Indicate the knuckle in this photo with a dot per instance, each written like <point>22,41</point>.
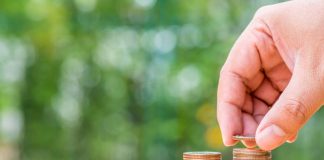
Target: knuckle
<point>267,13</point>
<point>296,110</point>
<point>262,11</point>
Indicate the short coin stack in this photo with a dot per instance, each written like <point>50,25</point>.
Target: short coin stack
<point>249,153</point>
<point>238,153</point>
<point>202,156</point>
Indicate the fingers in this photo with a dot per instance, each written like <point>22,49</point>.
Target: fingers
<point>260,109</point>
<point>240,75</point>
<point>228,107</point>
<point>266,92</point>
<point>249,144</point>
<point>294,107</point>
<point>250,126</point>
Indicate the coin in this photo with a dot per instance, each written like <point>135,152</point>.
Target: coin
<point>203,155</point>
<point>244,138</point>
<point>251,151</point>
<point>251,154</point>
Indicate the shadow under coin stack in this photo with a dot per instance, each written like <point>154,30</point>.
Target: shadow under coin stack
<point>202,156</point>
<point>249,153</point>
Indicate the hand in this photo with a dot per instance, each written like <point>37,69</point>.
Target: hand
<point>273,80</point>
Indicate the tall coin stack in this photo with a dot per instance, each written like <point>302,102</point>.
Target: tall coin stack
<point>250,153</point>
<point>202,156</point>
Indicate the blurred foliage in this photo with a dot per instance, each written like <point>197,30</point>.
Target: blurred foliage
<point>119,79</point>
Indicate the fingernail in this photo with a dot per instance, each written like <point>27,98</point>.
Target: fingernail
<point>291,140</point>
<point>271,137</point>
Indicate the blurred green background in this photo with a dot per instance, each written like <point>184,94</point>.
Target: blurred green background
<point>120,79</point>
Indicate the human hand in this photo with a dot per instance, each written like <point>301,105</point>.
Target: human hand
<point>277,61</point>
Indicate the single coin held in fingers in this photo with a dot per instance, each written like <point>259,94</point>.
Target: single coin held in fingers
<point>244,138</point>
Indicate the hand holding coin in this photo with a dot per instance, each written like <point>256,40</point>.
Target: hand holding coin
<point>277,61</point>
<point>248,141</point>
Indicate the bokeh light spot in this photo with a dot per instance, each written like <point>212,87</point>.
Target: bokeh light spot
<point>206,114</point>
<point>86,5</point>
<point>145,3</point>
<point>165,41</point>
<point>213,137</point>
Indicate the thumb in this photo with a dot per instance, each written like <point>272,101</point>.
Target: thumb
<point>298,102</point>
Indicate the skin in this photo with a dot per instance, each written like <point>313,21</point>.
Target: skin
<point>273,79</point>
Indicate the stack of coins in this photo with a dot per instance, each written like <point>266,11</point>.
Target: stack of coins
<point>238,153</point>
<point>202,156</point>
<point>249,153</point>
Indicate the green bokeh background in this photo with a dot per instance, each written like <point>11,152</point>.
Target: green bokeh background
<point>120,79</point>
